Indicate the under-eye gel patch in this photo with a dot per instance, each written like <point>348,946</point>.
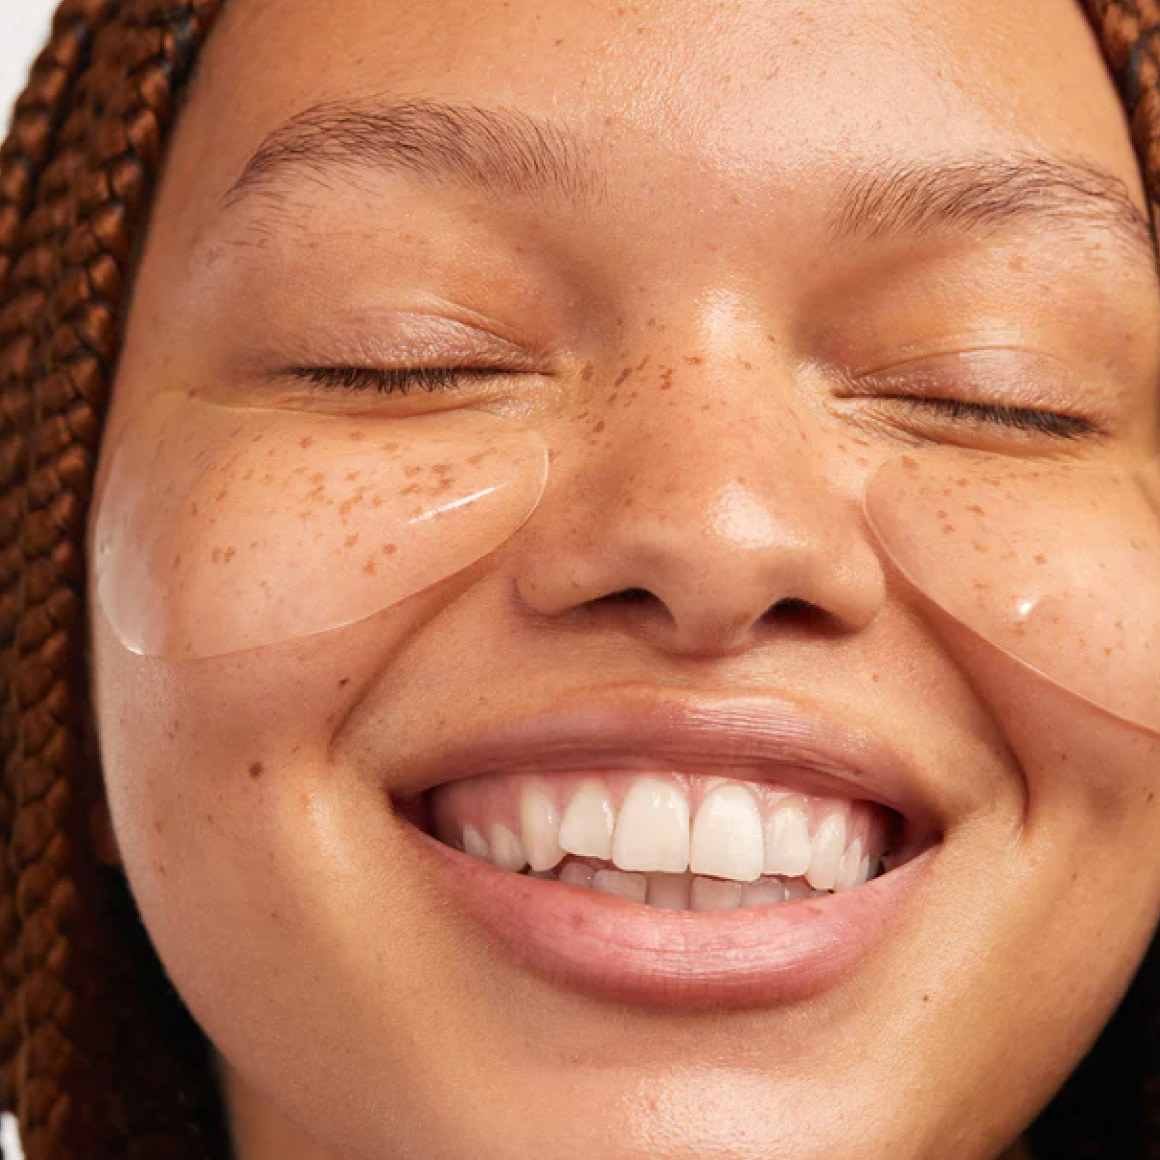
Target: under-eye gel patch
<point>1055,563</point>
<point>225,528</point>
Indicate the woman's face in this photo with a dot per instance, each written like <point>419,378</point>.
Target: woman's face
<point>728,262</point>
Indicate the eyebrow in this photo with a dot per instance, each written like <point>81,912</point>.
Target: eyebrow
<point>493,150</point>
<point>983,194</point>
<point>505,151</point>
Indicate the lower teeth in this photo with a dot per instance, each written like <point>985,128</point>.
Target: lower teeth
<point>678,891</point>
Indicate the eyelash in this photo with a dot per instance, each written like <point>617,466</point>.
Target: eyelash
<point>1053,423</point>
<point>394,380</point>
<point>402,380</point>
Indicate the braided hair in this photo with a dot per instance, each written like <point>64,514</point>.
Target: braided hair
<point>99,1057</point>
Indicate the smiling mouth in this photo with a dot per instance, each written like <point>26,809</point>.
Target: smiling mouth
<point>668,839</point>
<point>651,846</point>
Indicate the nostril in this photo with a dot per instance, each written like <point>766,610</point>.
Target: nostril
<point>629,596</point>
<point>794,610</point>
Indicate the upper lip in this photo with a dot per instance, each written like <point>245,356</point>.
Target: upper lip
<point>759,738</point>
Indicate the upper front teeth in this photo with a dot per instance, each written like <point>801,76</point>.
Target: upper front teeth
<point>741,832</point>
<point>727,839</point>
<point>652,831</point>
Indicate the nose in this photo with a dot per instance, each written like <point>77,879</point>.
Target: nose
<point>702,518</point>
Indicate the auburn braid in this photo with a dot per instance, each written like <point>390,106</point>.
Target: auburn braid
<point>98,1056</point>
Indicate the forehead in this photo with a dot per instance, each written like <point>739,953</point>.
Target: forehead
<point>749,95</point>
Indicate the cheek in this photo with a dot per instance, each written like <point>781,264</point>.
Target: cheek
<point>208,765</point>
<point>269,878</point>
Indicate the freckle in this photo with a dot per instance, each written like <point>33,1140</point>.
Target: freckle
<point>1041,559</point>
<point>974,509</point>
<point>599,426</point>
<point>193,508</point>
<point>628,501</point>
<point>256,438</point>
<point>559,41</point>
<point>587,372</point>
<point>389,549</point>
<point>344,682</point>
<point>410,470</point>
<point>228,555</point>
<point>947,529</point>
<point>176,561</point>
<point>377,501</point>
<point>158,826</point>
<point>369,566</point>
<point>747,364</point>
<point>622,376</point>
<point>306,441</point>
<point>351,540</point>
<point>256,769</point>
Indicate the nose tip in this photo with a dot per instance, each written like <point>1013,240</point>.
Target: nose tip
<point>699,574</point>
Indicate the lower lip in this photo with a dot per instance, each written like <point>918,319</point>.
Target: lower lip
<point>630,952</point>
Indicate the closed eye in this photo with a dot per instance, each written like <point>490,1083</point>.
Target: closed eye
<point>394,380</point>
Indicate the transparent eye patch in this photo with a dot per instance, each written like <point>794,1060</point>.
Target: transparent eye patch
<point>222,529</point>
<point>1056,564</point>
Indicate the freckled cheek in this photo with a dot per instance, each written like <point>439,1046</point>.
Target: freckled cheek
<point>205,750</point>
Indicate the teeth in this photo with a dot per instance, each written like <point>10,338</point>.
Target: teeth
<point>577,874</point>
<point>507,851</point>
<point>631,886</point>
<point>828,846</point>
<point>709,894</point>
<point>763,892</point>
<point>849,867</point>
<point>787,841</point>
<point>475,844</point>
<point>669,891</point>
<point>727,838</point>
<point>540,824</point>
<point>588,822</point>
<point>797,889</point>
<point>652,832</point>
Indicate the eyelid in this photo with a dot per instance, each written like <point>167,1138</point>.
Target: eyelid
<point>1004,379</point>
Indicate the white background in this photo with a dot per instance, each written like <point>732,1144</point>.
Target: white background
<point>23,32</point>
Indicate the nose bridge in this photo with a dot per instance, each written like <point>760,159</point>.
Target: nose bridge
<point>703,481</point>
<point>717,451</point>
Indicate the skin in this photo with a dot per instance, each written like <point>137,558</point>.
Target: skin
<point>355,1015</point>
